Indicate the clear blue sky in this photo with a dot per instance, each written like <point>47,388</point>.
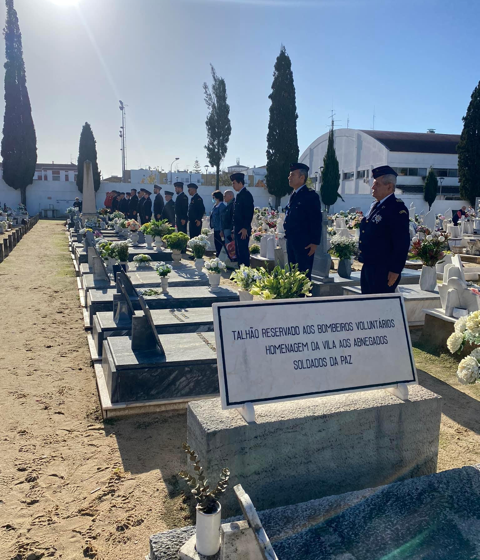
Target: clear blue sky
<point>415,61</point>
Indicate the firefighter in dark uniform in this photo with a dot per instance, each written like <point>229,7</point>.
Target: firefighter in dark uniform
<point>196,211</point>
<point>384,236</point>
<point>158,203</point>
<point>242,218</point>
<point>169,208</point>
<point>141,202</point>
<point>133,205</point>
<point>181,207</point>
<point>147,207</point>
<point>303,220</point>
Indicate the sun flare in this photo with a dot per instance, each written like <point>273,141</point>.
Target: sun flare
<point>65,2</point>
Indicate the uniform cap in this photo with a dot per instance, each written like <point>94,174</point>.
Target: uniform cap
<point>169,192</point>
<point>178,184</point>
<point>148,193</point>
<point>383,170</point>
<point>192,186</point>
<point>157,187</point>
<point>237,177</point>
<point>295,166</point>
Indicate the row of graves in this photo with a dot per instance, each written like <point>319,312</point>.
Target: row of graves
<point>14,224</point>
<point>306,409</point>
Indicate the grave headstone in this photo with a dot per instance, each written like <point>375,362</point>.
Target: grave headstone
<point>411,211</point>
<point>89,207</point>
<point>263,246</point>
<point>99,270</point>
<point>144,333</point>
<point>429,220</point>
<point>271,242</point>
<point>448,214</point>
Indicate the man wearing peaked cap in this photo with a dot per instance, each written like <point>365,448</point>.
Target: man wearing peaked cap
<point>181,207</point>
<point>196,210</point>
<point>141,202</point>
<point>168,212</point>
<point>303,220</point>
<point>158,202</point>
<point>147,206</point>
<point>242,218</point>
<point>384,236</point>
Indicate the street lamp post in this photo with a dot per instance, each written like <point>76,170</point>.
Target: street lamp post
<point>440,180</point>
<point>171,167</point>
<point>206,171</point>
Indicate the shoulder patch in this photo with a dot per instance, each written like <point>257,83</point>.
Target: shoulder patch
<point>399,200</point>
<point>402,212</point>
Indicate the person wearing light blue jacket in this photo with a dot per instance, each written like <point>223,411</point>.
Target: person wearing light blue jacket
<point>216,219</point>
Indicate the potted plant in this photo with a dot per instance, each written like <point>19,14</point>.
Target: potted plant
<point>146,229</point>
<point>282,283</point>
<point>133,226</point>
<point>430,251</point>
<point>177,242</point>
<point>254,249</point>
<point>107,252</point>
<point>245,278</point>
<point>214,268</point>
<point>159,229</point>
<point>142,260</point>
<point>163,270</point>
<point>121,252</point>
<point>209,510</point>
<point>344,248</point>
<point>199,245</point>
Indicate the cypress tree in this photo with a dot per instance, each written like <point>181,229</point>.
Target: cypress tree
<point>19,143</point>
<point>430,188</point>
<point>87,151</point>
<point>282,140</point>
<point>218,122</point>
<point>330,175</point>
<point>469,150</point>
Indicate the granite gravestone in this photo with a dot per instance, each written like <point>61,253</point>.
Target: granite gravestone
<point>292,349</point>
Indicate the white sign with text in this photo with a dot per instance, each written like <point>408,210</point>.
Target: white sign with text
<point>297,348</point>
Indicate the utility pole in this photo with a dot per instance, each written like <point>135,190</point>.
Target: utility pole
<point>123,138</point>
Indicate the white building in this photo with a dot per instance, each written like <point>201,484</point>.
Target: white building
<point>411,154</point>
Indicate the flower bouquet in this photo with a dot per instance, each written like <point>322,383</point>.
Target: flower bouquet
<point>343,247</point>
<point>142,260</point>
<point>467,330</point>
<point>146,229</point>
<point>282,283</point>
<point>71,210</point>
<point>254,249</point>
<point>177,241</point>
<point>163,270</point>
<point>257,236</point>
<point>121,249</point>
<point>214,268</point>
<point>161,228</point>
<point>206,231</point>
<point>117,215</point>
<point>105,212</point>
<point>199,245</point>
<point>245,278</point>
<point>132,225</point>
<point>431,249</point>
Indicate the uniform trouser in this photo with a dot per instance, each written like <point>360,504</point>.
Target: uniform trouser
<point>241,249</point>
<point>194,229</point>
<point>180,227</point>
<point>218,242</point>
<point>374,279</point>
<point>297,254</point>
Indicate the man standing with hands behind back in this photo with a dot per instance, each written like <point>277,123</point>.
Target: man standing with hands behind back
<point>242,218</point>
<point>384,236</point>
<point>158,203</point>
<point>181,207</point>
<point>303,220</point>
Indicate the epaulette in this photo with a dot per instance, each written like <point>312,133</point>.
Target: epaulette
<point>399,200</point>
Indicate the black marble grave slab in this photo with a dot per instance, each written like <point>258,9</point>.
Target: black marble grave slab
<point>167,321</point>
<point>165,255</point>
<point>187,370</point>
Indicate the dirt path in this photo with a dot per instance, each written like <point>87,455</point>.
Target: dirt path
<point>70,486</point>
<point>73,487</point>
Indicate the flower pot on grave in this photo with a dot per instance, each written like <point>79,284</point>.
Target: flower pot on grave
<point>110,263</point>
<point>345,268</point>
<point>159,244</point>
<point>134,237</point>
<point>164,281</point>
<point>428,279</point>
<point>214,281</point>
<point>208,531</point>
<point>124,265</point>
<point>149,241</point>
<point>117,228</point>
<point>176,255</point>
<point>244,295</point>
<point>199,264</point>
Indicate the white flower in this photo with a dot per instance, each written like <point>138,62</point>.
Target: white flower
<point>468,370</point>
<point>415,239</point>
<point>454,342</point>
<point>473,322</point>
<point>476,354</point>
<point>429,237</point>
<point>461,325</point>
<point>441,239</point>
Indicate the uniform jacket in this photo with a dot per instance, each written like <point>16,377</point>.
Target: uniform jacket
<point>147,210</point>
<point>227,217</point>
<point>216,216</point>
<point>158,205</point>
<point>169,212</point>
<point>140,210</point>
<point>123,206</point>
<point>384,235</point>
<point>114,204</point>
<point>243,211</point>
<point>133,206</point>
<point>303,218</point>
<point>181,206</point>
<point>78,205</point>
<point>196,209</point>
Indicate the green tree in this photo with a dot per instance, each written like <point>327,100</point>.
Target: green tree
<point>218,122</point>
<point>430,188</point>
<point>469,150</point>
<point>330,175</point>
<point>224,179</point>
<point>87,151</point>
<point>196,167</point>
<point>282,140</point>
<point>19,143</point>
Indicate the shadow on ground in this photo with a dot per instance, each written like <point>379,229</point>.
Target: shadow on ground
<point>458,406</point>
